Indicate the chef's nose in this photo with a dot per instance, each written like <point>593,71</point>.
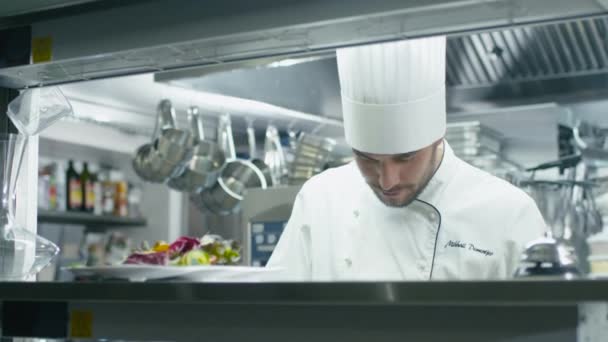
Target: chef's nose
<point>389,176</point>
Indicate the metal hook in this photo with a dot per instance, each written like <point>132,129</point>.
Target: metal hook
<point>318,128</point>
<point>291,125</point>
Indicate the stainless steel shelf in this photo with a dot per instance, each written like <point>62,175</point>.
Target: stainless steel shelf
<point>89,220</point>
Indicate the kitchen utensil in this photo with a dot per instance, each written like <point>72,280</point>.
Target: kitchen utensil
<point>552,199</point>
<point>171,144</point>
<point>311,157</point>
<point>140,162</point>
<point>274,156</point>
<point>594,220</point>
<point>576,224</point>
<point>261,165</point>
<point>265,171</point>
<point>293,138</point>
<point>22,253</point>
<point>225,196</point>
<point>169,151</point>
<point>556,254</point>
<point>548,258</point>
<point>251,139</point>
<point>576,218</point>
<point>562,163</point>
<point>225,138</point>
<point>236,177</point>
<point>203,168</point>
<point>38,108</point>
<point>591,141</point>
<point>165,117</point>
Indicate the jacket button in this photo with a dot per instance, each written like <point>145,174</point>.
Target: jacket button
<point>356,213</point>
<point>348,262</point>
<point>433,216</point>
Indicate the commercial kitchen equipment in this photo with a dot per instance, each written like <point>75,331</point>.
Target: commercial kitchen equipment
<point>204,35</point>
<point>265,213</point>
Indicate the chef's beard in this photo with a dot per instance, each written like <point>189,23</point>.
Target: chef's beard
<point>415,190</point>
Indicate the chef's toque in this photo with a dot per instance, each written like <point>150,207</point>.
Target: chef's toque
<point>393,95</point>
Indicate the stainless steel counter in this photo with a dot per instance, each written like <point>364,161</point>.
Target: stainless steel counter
<point>421,311</point>
<point>381,293</point>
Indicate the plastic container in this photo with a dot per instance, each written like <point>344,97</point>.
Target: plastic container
<point>38,108</point>
<point>22,252</point>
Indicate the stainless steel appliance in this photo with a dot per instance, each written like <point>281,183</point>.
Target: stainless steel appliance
<point>264,214</point>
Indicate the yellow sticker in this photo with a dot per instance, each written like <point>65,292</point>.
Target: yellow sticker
<point>42,49</point>
<point>81,324</point>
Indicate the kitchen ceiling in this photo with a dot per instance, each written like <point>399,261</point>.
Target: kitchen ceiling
<point>521,64</point>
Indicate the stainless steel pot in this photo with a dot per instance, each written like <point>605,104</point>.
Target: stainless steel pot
<point>169,150</point>
<point>265,170</point>
<point>312,155</point>
<point>236,177</point>
<point>274,156</point>
<point>203,169</point>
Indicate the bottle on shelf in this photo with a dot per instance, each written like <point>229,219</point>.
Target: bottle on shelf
<point>53,203</point>
<point>108,190</point>
<point>73,189</point>
<point>86,181</point>
<point>61,185</point>
<point>120,195</point>
<point>134,200</point>
<point>97,190</point>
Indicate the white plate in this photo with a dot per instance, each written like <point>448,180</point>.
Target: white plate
<point>190,273</point>
<point>233,274</point>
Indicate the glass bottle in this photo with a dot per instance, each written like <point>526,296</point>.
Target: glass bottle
<point>74,189</point>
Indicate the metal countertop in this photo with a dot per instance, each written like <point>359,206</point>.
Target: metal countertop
<point>336,293</point>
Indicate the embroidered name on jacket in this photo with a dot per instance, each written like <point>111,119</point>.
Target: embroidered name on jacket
<point>468,246</point>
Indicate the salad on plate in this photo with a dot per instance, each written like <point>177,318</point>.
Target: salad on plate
<point>188,257</point>
<point>187,251</point>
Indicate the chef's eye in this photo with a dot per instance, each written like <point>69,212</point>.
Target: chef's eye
<point>405,158</point>
<point>364,158</point>
<point>368,159</point>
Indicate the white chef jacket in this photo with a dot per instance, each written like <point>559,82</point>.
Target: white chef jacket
<point>466,224</point>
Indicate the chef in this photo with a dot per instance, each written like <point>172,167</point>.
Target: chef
<point>407,208</point>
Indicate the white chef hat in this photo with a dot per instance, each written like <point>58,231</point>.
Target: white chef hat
<point>393,95</point>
